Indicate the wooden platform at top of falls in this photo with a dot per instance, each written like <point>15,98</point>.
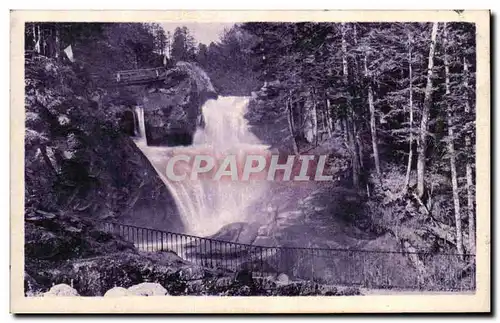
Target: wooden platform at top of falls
<point>141,76</point>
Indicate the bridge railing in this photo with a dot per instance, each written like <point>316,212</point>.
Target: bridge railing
<point>363,268</point>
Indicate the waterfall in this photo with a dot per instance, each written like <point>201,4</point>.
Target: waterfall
<point>141,127</point>
<point>205,204</point>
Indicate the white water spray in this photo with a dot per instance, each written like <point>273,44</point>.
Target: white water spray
<point>207,205</point>
<point>139,112</point>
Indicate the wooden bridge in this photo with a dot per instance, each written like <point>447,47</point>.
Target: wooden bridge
<point>141,76</point>
<point>126,77</point>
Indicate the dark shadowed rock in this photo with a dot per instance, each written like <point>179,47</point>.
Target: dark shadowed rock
<point>66,236</point>
<point>244,277</point>
<point>127,123</point>
<point>173,108</point>
<point>229,232</point>
<point>31,286</point>
<point>240,232</point>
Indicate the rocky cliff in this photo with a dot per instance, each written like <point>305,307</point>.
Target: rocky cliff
<point>172,109</point>
<point>79,160</point>
<point>268,118</point>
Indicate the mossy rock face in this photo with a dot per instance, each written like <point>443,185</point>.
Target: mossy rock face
<point>172,109</point>
<point>57,237</point>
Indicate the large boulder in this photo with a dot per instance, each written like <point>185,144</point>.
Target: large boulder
<point>61,290</point>
<point>117,292</point>
<point>283,279</point>
<point>147,289</point>
<point>172,109</point>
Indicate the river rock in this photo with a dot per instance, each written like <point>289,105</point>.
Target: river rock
<point>61,290</point>
<point>282,279</point>
<point>116,292</point>
<point>266,241</point>
<point>147,289</point>
<point>240,232</point>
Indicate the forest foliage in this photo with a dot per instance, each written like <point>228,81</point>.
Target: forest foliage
<point>402,95</point>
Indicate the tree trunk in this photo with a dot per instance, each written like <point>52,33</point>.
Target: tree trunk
<point>33,30</point>
<point>373,126</point>
<point>323,114</point>
<point>310,114</point>
<point>355,40</point>
<point>410,104</point>
<point>356,168</point>
<point>350,126</point>
<point>290,113</point>
<point>358,143</point>
<point>290,126</point>
<point>345,133</point>
<point>451,147</point>
<point>468,172</point>
<point>57,42</point>
<point>38,44</point>
<point>424,123</point>
<point>314,117</point>
<point>470,208</point>
<point>50,42</point>
<point>329,119</point>
<point>44,42</point>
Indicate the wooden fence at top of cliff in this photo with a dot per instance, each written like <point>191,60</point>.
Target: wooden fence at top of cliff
<point>140,76</point>
<point>347,267</point>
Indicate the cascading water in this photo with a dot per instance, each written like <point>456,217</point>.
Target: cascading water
<point>141,126</point>
<point>205,204</point>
